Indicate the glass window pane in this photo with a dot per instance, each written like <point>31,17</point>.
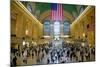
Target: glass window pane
<point>46,28</point>
<point>66,28</point>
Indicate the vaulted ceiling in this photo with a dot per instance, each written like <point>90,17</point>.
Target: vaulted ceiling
<point>47,6</point>
<point>67,7</point>
<point>73,10</point>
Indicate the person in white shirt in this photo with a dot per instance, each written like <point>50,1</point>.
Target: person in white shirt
<point>25,56</point>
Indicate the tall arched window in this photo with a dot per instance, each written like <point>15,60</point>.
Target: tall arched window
<point>46,27</point>
<point>66,27</point>
<point>29,7</point>
<point>56,28</point>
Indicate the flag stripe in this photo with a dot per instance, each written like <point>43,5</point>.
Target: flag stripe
<point>56,12</point>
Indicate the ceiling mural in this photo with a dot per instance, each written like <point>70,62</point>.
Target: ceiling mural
<point>39,8</point>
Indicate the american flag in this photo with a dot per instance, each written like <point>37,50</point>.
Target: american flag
<point>56,12</point>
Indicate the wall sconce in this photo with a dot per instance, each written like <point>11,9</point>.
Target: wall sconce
<point>23,43</point>
<point>83,34</point>
<point>26,32</point>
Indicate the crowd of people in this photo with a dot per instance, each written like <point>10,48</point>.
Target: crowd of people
<point>71,53</point>
<point>47,54</point>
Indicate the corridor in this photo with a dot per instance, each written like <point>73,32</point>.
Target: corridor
<point>51,33</point>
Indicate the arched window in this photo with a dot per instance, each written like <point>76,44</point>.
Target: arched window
<point>46,27</point>
<point>66,27</point>
<point>29,7</point>
<point>82,8</point>
<point>56,28</point>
